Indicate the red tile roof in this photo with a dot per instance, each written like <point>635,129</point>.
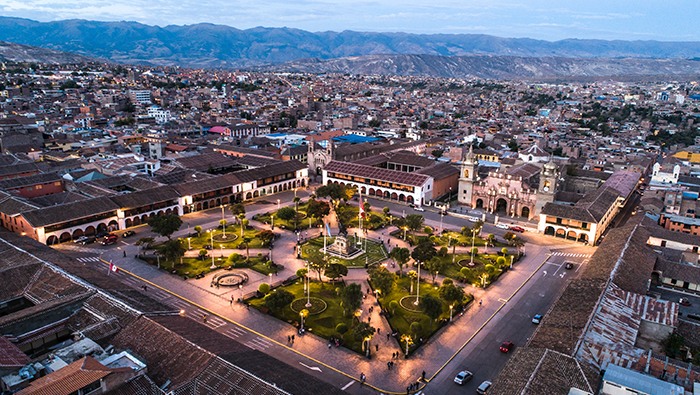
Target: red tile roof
<point>10,355</point>
<point>68,379</point>
<point>377,173</point>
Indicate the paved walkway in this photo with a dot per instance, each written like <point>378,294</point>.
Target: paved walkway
<point>428,358</point>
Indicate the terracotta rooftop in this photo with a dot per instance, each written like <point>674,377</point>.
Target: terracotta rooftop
<point>69,379</point>
<point>10,355</point>
<point>376,173</point>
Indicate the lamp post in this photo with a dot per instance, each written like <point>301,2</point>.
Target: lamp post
<point>367,339</point>
<point>211,234</point>
<point>442,214</point>
<point>273,223</point>
<point>408,340</point>
<point>471,262</point>
<point>222,250</point>
<point>308,287</point>
<point>404,233</point>
<point>417,286</point>
<point>240,288</point>
<point>451,312</point>
<point>189,245</point>
<point>511,261</point>
<point>301,314</point>
<point>278,204</point>
<point>269,281</point>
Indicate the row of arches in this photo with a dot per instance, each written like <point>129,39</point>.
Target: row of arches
<point>563,234</point>
<point>400,197</point>
<point>502,208</point>
<point>88,231</point>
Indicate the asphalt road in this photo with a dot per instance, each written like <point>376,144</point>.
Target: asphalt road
<point>481,356</point>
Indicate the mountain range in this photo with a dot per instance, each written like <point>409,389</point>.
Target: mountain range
<point>284,49</point>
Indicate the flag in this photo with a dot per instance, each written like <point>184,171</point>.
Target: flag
<point>113,268</point>
<point>362,207</point>
<point>328,229</point>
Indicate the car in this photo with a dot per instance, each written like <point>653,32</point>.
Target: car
<point>569,265</point>
<point>684,302</point>
<point>89,240</point>
<point>128,233</point>
<point>80,239</point>
<point>474,219</point>
<point>483,387</point>
<point>108,241</point>
<point>502,226</point>
<point>463,376</point>
<point>517,229</point>
<point>411,205</point>
<point>102,234</point>
<point>419,208</point>
<point>537,318</point>
<point>507,346</point>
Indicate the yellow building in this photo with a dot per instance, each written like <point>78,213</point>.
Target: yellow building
<point>693,157</point>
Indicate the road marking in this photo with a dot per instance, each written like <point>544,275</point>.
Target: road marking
<point>544,272</point>
<point>346,385</point>
<point>215,322</point>
<point>316,368</point>
<point>562,274</point>
<point>258,344</point>
<point>125,242</point>
<point>234,332</point>
<point>502,300</point>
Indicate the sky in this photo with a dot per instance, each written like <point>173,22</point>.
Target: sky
<point>670,20</point>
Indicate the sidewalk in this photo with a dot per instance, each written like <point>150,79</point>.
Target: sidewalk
<point>428,358</point>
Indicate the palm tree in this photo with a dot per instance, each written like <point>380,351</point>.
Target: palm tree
<point>247,241</point>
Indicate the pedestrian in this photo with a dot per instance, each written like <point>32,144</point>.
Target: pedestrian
<point>289,339</point>
<point>204,318</point>
<point>423,376</point>
<point>329,345</point>
<point>377,346</point>
<point>387,336</point>
<point>480,301</point>
<point>378,330</point>
<point>247,307</point>
<point>388,365</point>
<point>230,302</point>
<point>292,339</point>
<point>124,253</point>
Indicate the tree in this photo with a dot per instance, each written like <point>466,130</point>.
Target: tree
<point>202,253</point>
<point>172,250</point>
<point>317,263</point>
<point>432,307</point>
<point>509,236</point>
<point>491,238</point>
<point>453,243</point>
<point>504,251</point>
<point>428,230</point>
<point>382,279</point>
<point>513,146</point>
<point>198,229</point>
<point>278,299</point>
<point>341,328</point>
<point>500,261</point>
<point>302,272</point>
<point>246,241</point>
<point>386,210</point>
<point>437,153</point>
<point>146,242</point>
<point>336,270</point>
<point>400,256</point>
<point>264,288</point>
<point>351,297</point>
<point>237,209</point>
<point>451,293</point>
<point>443,251</point>
<point>393,305</point>
<point>518,243</point>
<point>465,272</point>
<point>266,236</point>
<point>672,344</point>
<point>475,251</point>
<point>286,213</point>
<point>317,208</point>
<point>362,331</point>
<point>414,222</point>
<point>223,224</point>
<point>336,192</point>
<point>165,225</point>
<point>416,328</point>
<point>434,266</point>
<point>424,252</point>
<point>367,206</point>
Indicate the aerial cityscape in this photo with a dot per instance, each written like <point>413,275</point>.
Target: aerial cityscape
<point>197,209</point>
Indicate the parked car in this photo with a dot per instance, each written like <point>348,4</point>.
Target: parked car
<point>419,208</point>
<point>80,240</point>
<point>569,265</point>
<point>502,226</point>
<point>474,219</point>
<point>128,233</point>
<point>684,302</point>
<point>483,387</point>
<point>517,229</point>
<point>463,376</point>
<point>89,240</point>
<point>507,346</point>
<point>109,240</point>
<point>537,318</point>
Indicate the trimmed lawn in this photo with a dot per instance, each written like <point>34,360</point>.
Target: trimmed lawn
<point>303,221</point>
<point>349,216</point>
<point>322,324</point>
<point>198,242</point>
<point>401,319</point>
<point>191,267</point>
<point>376,252</point>
<point>452,270</point>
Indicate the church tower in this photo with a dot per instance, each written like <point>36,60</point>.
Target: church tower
<point>549,183</point>
<point>467,177</point>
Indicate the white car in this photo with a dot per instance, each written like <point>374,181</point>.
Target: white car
<point>474,219</point>
<point>502,226</point>
<point>419,208</point>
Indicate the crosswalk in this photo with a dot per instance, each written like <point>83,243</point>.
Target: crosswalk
<point>258,343</point>
<point>79,248</point>
<point>234,332</point>
<point>570,254</point>
<point>88,259</point>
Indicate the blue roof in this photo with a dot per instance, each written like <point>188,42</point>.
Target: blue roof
<point>278,134</point>
<point>353,138</point>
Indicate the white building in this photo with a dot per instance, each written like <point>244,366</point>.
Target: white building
<point>161,116</point>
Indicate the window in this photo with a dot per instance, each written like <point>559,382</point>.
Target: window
<point>663,243</point>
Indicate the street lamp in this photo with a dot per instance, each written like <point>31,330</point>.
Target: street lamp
<point>301,314</point>
<point>408,340</point>
<point>189,245</point>
<point>417,287</point>
<point>511,261</point>
<point>211,234</point>
<point>273,223</point>
<point>451,312</point>
<point>240,288</point>
<point>269,281</point>
<point>278,204</point>
<point>404,233</point>
<point>222,250</point>
<point>308,287</point>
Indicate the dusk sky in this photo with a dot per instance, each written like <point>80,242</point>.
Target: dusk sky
<point>540,19</point>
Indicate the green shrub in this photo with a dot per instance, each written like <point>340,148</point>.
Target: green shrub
<point>264,288</point>
<point>341,328</point>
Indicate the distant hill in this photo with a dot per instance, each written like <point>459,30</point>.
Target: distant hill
<point>494,67</point>
<point>219,46</point>
<point>25,53</point>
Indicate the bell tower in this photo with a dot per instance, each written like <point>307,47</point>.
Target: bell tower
<point>549,184</point>
<point>467,177</point>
